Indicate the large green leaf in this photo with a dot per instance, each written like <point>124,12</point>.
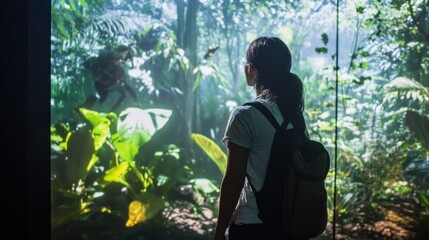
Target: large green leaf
<point>117,172</point>
<point>80,150</point>
<point>419,126</point>
<point>212,150</point>
<point>136,127</point>
<point>144,209</point>
<point>101,125</point>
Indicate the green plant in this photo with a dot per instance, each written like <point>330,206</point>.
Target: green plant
<point>97,157</point>
<point>212,150</point>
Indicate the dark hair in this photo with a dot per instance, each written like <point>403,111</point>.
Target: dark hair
<point>273,60</point>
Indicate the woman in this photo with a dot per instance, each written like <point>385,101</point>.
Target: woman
<point>249,135</point>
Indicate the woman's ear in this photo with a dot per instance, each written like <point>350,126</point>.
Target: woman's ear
<point>251,75</point>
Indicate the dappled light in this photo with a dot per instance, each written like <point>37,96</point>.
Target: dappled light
<point>141,92</point>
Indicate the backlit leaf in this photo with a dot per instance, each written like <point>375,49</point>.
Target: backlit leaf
<point>212,150</point>
<point>80,150</point>
<point>116,172</point>
<point>136,213</point>
<point>136,127</point>
<point>101,125</point>
<point>141,211</point>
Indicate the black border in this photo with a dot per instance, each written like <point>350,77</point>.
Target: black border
<point>38,119</point>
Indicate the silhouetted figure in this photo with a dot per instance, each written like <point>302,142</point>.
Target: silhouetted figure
<point>108,74</point>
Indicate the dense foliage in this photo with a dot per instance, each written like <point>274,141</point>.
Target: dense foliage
<point>126,172</point>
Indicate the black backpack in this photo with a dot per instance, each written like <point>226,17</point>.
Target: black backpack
<point>293,197</point>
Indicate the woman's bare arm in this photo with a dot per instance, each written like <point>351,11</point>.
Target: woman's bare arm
<point>232,184</point>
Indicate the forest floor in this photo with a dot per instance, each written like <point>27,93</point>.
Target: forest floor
<point>401,220</point>
<point>396,220</point>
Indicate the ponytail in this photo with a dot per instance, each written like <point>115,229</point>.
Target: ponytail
<point>273,61</point>
<point>289,96</point>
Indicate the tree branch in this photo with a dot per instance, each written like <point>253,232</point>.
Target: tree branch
<point>418,23</point>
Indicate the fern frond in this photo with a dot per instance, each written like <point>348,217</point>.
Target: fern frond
<point>118,22</point>
<point>403,84</point>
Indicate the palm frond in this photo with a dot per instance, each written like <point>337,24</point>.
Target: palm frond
<point>406,84</point>
<point>117,22</point>
<point>402,87</point>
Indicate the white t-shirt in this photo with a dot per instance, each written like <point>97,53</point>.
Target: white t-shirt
<point>249,128</point>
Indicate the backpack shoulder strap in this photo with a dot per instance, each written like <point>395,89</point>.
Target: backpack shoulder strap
<point>264,110</point>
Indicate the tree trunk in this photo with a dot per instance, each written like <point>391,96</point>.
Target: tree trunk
<point>180,22</point>
<point>187,39</point>
<point>190,44</point>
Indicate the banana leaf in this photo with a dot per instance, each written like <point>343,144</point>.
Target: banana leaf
<point>214,152</point>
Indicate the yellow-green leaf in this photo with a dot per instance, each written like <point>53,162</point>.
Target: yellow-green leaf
<point>94,159</point>
<point>116,172</point>
<point>101,126</point>
<point>136,213</point>
<point>212,150</point>
<point>144,179</point>
<point>141,211</point>
<point>80,149</point>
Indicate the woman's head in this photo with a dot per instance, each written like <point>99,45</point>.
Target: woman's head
<point>269,53</point>
<point>268,68</point>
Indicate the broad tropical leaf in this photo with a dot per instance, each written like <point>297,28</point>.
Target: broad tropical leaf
<point>116,172</point>
<point>101,125</point>
<point>136,127</point>
<point>80,150</point>
<point>141,211</point>
<point>212,150</point>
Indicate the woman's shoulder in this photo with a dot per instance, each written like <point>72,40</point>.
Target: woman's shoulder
<point>241,110</point>
<point>248,111</point>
